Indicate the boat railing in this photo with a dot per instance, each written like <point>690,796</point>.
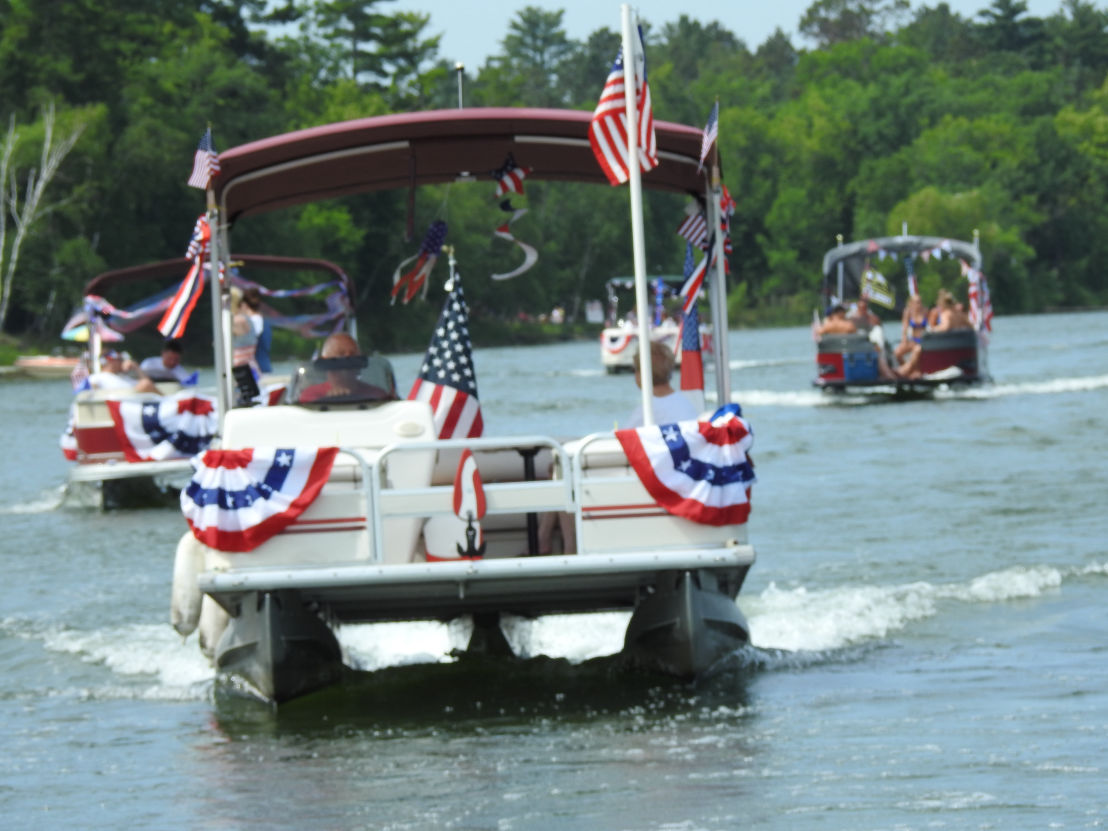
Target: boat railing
<point>526,496</point>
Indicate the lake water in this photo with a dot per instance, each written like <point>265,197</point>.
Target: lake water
<point>927,611</point>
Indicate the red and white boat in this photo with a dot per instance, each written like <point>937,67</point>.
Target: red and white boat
<point>885,271</point>
<point>122,442</point>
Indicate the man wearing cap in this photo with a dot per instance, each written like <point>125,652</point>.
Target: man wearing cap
<point>167,366</point>
<point>835,323</point>
<point>116,374</point>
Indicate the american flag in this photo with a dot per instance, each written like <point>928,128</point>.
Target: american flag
<point>711,133</point>
<point>692,363</point>
<point>509,178</point>
<point>694,227</point>
<point>980,303</point>
<point>205,164</point>
<point>446,379</point>
<point>608,129</point>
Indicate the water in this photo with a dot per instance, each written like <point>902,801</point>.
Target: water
<point>927,612</point>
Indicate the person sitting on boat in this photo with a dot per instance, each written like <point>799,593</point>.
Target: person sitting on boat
<point>670,405</point>
<point>342,381</point>
<point>936,310</point>
<point>863,317</point>
<point>951,318</point>
<point>913,324</point>
<point>252,307</point>
<point>119,373</point>
<point>836,323</point>
<point>244,338</point>
<point>167,365</point>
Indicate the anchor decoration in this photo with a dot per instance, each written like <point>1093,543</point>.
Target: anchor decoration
<point>469,504</point>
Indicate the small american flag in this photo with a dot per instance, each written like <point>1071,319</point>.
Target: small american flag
<point>446,379</point>
<point>205,164</point>
<point>711,133</point>
<point>694,227</point>
<point>608,129</point>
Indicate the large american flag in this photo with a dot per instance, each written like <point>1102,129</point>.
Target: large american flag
<point>205,163</point>
<point>608,129</point>
<point>446,379</point>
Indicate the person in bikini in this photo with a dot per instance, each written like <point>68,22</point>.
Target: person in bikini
<point>912,326</point>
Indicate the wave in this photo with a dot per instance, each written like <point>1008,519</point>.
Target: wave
<point>754,364</point>
<point>47,501</point>
<point>793,398</point>
<point>1052,386</point>
<point>801,620</point>
<point>789,628</point>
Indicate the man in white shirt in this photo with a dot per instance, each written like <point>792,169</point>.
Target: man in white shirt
<point>116,374</point>
<point>669,405</point>
<point>167,366</point>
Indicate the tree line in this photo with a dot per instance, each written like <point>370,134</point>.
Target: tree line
<point>893,115</point>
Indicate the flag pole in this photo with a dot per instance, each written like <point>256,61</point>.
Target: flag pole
<point>642,306</point>
<point>720,350</point>
<point>219,329</point>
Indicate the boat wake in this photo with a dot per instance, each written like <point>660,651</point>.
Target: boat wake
<point>793,398</point>
<point>799,620</point>
<point>45,502</point>
<point>1053,386</point>
<point>756,364</point>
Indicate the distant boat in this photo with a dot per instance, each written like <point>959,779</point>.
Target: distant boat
<point>861,361</point>
<point>52,367</point>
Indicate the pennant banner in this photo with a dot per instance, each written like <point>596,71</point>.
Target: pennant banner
<point>238,499</point>
<point>699,470</point>
<point>171,428</point>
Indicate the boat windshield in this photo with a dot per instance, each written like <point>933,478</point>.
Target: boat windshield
<point>360,379</point>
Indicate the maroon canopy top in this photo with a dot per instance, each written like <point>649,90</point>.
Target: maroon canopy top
<point>410,149</point>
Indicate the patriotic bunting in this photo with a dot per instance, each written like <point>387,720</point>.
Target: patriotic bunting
<point>169,428</point>
<point>407,285</point>
<point>699,470</point>
<point>446,379</point>
<point>608,128</point>
<point>180,308</point>
<point>238,499</point>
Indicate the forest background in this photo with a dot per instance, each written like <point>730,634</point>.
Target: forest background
<point>950,125</point>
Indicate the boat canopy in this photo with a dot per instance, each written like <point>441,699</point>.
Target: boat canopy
<point>855,255</point>
<point>405,150</point>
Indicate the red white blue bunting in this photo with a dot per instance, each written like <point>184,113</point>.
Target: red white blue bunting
<point>169,428</point>
<point>699,470</point>
<point>238,499</point>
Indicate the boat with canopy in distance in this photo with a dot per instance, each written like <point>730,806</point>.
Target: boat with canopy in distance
<point>942,347</point>
<point>619,340</point>
<point>368,508</point>
<point>133,446</point>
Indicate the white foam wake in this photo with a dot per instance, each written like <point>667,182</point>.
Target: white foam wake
<point>45,502</point>
<point>802,620</point>
<point>1052,386</point>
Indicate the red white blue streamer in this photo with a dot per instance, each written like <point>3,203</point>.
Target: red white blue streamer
<point>169,428</point>
<point>238,499</point>
<point>699,470</point>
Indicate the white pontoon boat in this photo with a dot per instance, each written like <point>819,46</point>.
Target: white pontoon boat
<point>377,527</point>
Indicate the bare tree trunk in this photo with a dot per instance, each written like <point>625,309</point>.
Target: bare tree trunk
<point>24,217</point>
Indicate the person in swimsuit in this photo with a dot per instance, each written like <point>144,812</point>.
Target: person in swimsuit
<point>912,326</point>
